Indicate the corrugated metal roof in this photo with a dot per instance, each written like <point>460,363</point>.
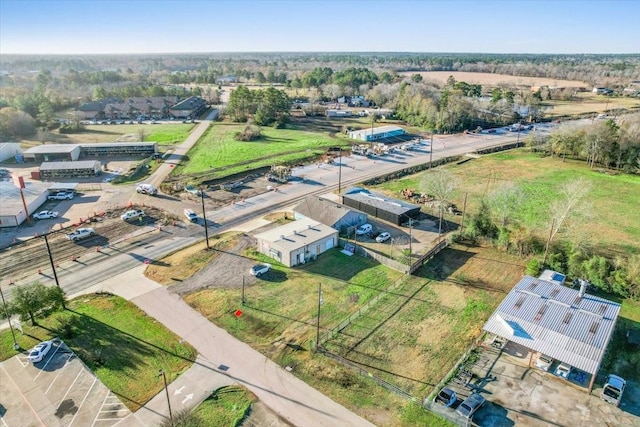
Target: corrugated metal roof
<point>297,234</point>
<point>556,321</point>
<point>380,201</point>
<point>118,144</point>
<point>377,130</point>
<point>52,148</point>
<point>80,164</point>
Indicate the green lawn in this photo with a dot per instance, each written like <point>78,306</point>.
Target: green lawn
<point>614,199</point>
<point>226,407</point>
<point>123,346</point>
<point>219,149</point>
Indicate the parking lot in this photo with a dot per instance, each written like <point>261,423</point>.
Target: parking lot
<point>518,395</point>
<point>58,391</point>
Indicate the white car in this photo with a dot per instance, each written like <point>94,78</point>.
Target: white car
<point>63,195</point>
<point>383,237</point>
<point>39,352</point>
<point>80,233</point>
<point>260,269</point>
<point>364,229</point>
<point>46,215</point>
<point>563,371</point>
<point>135,213</point>
<point>544,362</point>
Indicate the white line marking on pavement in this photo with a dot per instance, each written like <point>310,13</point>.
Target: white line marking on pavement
<point>58,374</point>
<point>95,379</point>
<point>48,360</point>
<point>70,387</point>
<point>35,413</point>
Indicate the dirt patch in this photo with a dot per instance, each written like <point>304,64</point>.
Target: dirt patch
<point>260,415</point>
<point>450,296</point>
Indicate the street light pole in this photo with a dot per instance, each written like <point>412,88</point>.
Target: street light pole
<point>53,267</point>
<point>340,174</point>
<point>6,312</point>
<point>431,151</point>
<point>204,216</point>
<point>164,377</point>
<point>410,239</point>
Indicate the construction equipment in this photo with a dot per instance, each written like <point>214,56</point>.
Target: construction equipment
<point>280,174</point>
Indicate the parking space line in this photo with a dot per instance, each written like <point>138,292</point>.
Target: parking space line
<point>59,372</point>
<point>69,389</point>
<point>48,360</point>
<point>95,379</point>
<point>23,397</point>
<point>20,360</point>
<point>103,402</point>
<point>4,422</point>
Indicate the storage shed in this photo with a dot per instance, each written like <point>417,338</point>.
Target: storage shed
<point>52,153</point>
<point>297,242</point>
<point>79,169</point>
<point>394,211</point>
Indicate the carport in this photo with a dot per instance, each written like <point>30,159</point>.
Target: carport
<point>566,324</point>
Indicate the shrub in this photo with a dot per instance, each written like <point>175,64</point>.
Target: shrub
<point>249,133</point>
<point>534,267</point>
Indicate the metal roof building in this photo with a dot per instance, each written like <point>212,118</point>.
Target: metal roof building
<point>52,153</point>
<point>393,210</point>
<point>377,133</point>
<point>330,213</point>
<point>563,323</point>
<point>297,242</point>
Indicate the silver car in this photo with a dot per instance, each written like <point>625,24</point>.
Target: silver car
<point>471,405</point>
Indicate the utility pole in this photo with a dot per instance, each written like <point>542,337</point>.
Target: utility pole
<point>340,174</point>
<point>243,298</point>
<point>431,151</point>
<point>410,239</point>
<point>318,323</point>
<point>53,267</point>
<point>204,216</point>
<point>6,312</point>
<point>464,209</point>
<point>166,389</point>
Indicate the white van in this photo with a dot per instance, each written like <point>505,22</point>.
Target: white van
<point>364,229</point>
<point>147,189</point>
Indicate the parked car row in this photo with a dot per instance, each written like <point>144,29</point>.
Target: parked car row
<point>367,230</point>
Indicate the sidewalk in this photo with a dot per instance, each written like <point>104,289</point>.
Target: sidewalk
<point>222,361</point>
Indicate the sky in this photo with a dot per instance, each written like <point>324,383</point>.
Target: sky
<point>141,26</point>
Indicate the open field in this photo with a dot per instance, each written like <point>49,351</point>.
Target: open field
<point>219,149</point>
<point>163,134</point>
<point>617,217</point>
<point>490,79</point>
<point>122,345</point>
<point>589,103</point>
<point>226,407</point>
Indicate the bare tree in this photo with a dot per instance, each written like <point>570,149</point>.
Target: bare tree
<point>142,133</point>
<point>506,200</point>
<point>440,184</point>
<point>570,209</point>
<point>43,135</point>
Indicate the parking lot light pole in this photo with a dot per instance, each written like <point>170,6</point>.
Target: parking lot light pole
<point>166,389</point>
<point>318,323</point>
<point>204,217</point>
<point>6,312</point>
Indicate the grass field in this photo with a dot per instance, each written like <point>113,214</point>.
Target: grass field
<point>220,150</point>
<point>122,345</point>
<point>491,79</point>
<point>614,199</point>
<point>226,407</point>
<point>589,103</point>
<point>163,134</point>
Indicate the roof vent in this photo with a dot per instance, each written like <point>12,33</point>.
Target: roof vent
<point>583,287</point>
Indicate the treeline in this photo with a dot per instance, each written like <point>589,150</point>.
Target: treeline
<point>266,107</point>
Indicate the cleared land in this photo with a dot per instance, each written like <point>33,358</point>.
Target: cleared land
<point>589,103</point>
<point>122,345</point>
<point>614,198</point>
<point>491,79</point>
<point>164,134</point>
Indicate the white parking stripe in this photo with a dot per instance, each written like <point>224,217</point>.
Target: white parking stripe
<point>35,413</point>
<point>95,379</point>
<point>58,374</point>
<point>4,422</point>
<point>69,389</point>
<point>49,360</point>
<point>103,402</point>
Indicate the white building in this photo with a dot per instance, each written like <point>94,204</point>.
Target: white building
<point>9,150</point>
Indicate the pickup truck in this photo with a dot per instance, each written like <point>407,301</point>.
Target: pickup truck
<point>80,233</point>
<point>45,215</point>
<point>190,215</point>
<point>63,195</point>
<point>132,214</point>
<point>446,397</point>
<point>613,390</point>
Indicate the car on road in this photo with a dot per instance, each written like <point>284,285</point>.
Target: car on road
<point>260,269</point>
<point>364,229</point>
<point>132,214</point>
<point>46,215</point>
<point>39,352</point>
<point>147,189</point>
<point>383,237</point>
<point>190,215</point>
<point>446,397</point>
<point>80,233</point>
<point>613,389</point>
<point>544,362</point>
<point>563,370</point>
<point>62,195</point>
<point>471,405</point>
